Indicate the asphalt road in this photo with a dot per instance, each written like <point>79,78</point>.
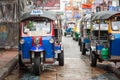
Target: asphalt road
<point>77,67</point>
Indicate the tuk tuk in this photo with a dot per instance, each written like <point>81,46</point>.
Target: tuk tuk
<point>68,30</point>
<point>40,40</point>
<point>105,37</point>
<point>84,39</point>
<point>76,31</point>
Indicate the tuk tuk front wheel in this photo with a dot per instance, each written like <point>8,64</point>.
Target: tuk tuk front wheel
<point>71,34</point>
<point>64,34</point>
<point>37,64</point>
<point>21,64</point>
<point>93,60</point>
<point>61,59</point>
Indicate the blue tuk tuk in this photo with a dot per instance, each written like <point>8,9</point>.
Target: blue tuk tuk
<point>40,40</point>
<point>84,39</point>
<point>68,29</point>
<point>105,37</point>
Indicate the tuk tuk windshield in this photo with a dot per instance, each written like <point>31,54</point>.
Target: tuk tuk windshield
<point>103,34</point>
<point>103,26</point>
<point>37,28</point>
<point>71,25</point>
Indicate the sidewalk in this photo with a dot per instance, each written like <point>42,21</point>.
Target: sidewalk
<point>8,60</point>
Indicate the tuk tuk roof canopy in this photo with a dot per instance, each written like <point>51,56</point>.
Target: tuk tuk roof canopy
<point>45,14</point>
<point>87,17</point>
<point>71,22</point>
<point>104,15</point>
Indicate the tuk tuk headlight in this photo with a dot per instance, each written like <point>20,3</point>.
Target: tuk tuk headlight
<point>22,41</point>
<point>51,40</point>
<point>112,37</point>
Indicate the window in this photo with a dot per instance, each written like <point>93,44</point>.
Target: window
<point>116,25</point>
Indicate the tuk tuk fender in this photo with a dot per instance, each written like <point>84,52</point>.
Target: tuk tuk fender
<point>86,40</point>
<point>37,49</point>
<point>99,47</point>
<point>58,49</point>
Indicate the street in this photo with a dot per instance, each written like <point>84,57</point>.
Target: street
<point>77,67</point>
<point>32,46</point>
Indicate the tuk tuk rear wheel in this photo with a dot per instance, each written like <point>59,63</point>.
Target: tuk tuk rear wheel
<point>64,34</point>
<point>83,49</point>
<point>37,65</point>
<point>71,34</point>
<point>80,47</point>
<point>93,60</point>
<point>61,59</point>
<point>79,42</point>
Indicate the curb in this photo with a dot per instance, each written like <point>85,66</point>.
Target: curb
<point>8,67</point>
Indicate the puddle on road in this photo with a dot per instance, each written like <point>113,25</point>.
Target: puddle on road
<point>29,76</point>
<point>106,76</point>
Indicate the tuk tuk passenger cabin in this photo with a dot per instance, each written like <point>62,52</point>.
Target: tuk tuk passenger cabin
<point>84,40</point>
<point>68,30</point>
<point>106,44</point>
<point>40,40</point>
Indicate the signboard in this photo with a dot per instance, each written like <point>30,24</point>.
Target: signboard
<point>68,15</point>
<point>36,12</point>
<point>112,8</point>
<point>47,4</point>
<point>86,6</point>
